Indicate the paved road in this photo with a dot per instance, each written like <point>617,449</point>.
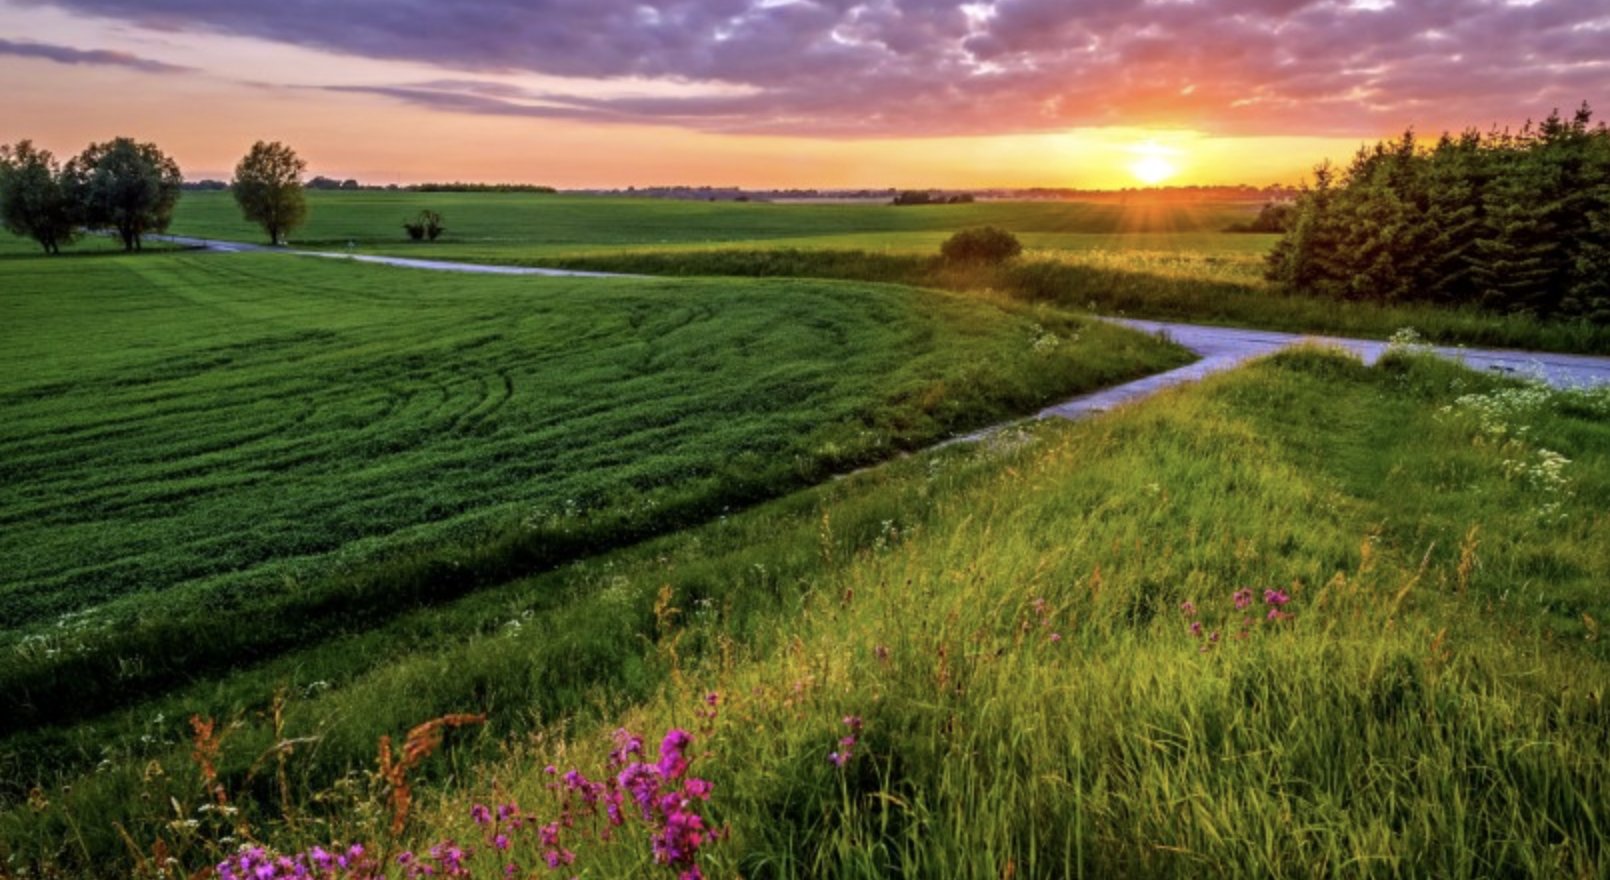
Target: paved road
<point>1225,348</point>
<point>1220,348</point>
<point>236,247</point>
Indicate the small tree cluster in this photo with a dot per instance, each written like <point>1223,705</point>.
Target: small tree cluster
<point>427,226</point>
<point>983,245</point>
<point>121,185</point>
<point>1515,222</point>
<point>923,197</point>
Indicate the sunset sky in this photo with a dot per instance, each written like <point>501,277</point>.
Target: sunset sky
<point>789,92</point>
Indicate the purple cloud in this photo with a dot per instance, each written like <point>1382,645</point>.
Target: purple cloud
<point>934,67</point>
<point>69,55</point>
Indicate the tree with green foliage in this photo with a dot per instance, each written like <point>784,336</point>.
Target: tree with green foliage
<point>268,188</point>
<point>1513,222</point>
<point>34,203</point>
<point>128,187</point>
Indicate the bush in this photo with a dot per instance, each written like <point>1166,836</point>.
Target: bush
<point>984,244</point>
<point>426,227</point>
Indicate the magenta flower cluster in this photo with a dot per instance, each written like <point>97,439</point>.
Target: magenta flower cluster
<point>847,743</point>
<point>657,793</point>
<point>318,863</point>
<point>1274,600</point>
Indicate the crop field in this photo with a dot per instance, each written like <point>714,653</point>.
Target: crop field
<point>284,451</point>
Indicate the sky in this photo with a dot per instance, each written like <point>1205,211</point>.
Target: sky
<point>783,93</point>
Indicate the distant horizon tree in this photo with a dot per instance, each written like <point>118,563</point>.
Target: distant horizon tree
<point>128,187</point>
<point>268,188</point>
<point>34,200</point>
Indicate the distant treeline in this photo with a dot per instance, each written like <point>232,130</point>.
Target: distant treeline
<point>480,188</point>
<point>1152,194</point>
<point>330,183</point>
<point>1515,222</point>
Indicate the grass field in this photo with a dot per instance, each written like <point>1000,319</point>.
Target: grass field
<point>319,503</point>
<point>542,224</point>
<point>1151,260</point>
<point>1006,621</point>
<point>283,452</point>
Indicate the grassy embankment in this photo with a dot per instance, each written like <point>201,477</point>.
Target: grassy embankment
<point>1171,262</point>
<point>1007,622</point>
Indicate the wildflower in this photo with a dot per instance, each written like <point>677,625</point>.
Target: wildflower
<point>853,722</point>
<point>481,814</point>
<point>712,699</point>
<point>837,759</point>
<point>672,763</point>
<point>697,788</point>
<point>1056,638</point>
<point>881,653</point>
<point>627,745</point>
<point>1196,628</point>
<point>1188,607</point>
<point>501,841</point>
<point>1242,598</point>
<point>1275,598</point>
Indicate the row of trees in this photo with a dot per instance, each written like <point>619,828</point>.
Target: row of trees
<point>131,189</point>
<point>1515,222</point>
<point>127,187</point>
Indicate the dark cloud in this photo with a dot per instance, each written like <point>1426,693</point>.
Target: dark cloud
<point>69,55</point>
<point>933,67</point>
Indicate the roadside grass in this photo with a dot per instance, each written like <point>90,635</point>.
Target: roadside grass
<point>280,452</point>
<point>1006,619</point>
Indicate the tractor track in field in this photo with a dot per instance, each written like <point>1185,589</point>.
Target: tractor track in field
<point>1219,348</point>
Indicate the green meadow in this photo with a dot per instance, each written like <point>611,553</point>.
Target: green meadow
<point>1141,259</point>
<point>265,515</point>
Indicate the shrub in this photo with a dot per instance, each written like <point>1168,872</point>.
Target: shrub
<point>984,244</point>
<point>425,227</point>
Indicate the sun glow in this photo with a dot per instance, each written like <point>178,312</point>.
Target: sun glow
<point>1152,164</point>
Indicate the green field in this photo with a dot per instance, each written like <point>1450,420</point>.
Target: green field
<point>321,502</point>
<point>1140,259</point>
<point>1006,620</point>
<point>526,224</point>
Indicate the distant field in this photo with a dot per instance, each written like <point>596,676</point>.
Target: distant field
<point>1172,262</point>
<point>523,224</point>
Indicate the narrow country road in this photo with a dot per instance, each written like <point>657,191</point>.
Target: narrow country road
<point>238,247</point>
<point>1220,348</point>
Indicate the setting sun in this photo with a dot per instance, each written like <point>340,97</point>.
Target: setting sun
<point>1152,165</point>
